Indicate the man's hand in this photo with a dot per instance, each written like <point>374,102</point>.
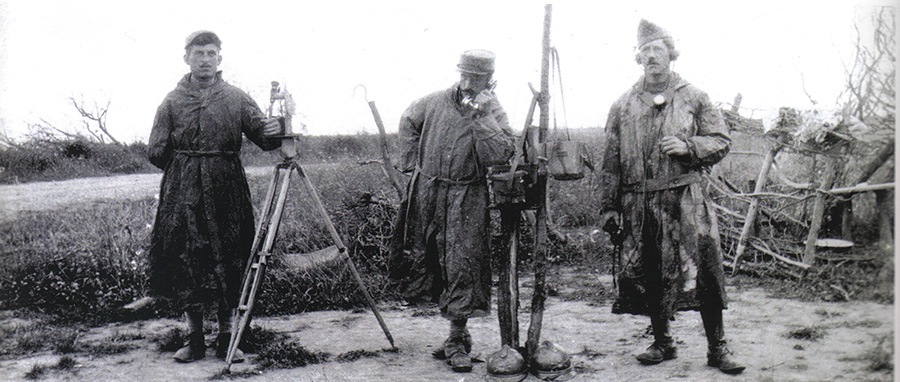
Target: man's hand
<point>612,224</point>
<point>273,127</point>
<point>673,146</point>
<point>611,221</point>
<point>484,99</point>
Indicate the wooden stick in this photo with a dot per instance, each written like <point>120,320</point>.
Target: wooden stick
<point>785,260</point>
<point>860,188</point>
<point>386,165</point>
<point>818,211</point>
<point>508,288</point>
<point>751,211</point>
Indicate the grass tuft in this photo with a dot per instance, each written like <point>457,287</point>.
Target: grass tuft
<point>287,355</point>
<point>809,333</point>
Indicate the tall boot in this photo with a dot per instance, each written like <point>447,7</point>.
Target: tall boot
<point>663,347</point>
<point>718,355</point>
<point>223,339</point>
<point>196,347</point>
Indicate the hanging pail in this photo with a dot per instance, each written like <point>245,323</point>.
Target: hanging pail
<point>566,160</point>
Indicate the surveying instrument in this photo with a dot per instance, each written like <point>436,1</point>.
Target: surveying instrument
<point>270,220</point>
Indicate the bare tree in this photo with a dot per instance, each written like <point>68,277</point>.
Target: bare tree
<point>869,94</point>
<point>94,116</point>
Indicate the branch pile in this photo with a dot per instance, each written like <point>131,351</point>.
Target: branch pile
<point>772,230</point>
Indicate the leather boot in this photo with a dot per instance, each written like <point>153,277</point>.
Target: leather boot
<point>718,357</point>
<point>196,347</point>
<point>663,347</point>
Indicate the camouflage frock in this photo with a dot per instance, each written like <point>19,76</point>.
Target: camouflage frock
<point>669,257</point>
<point>204,224</point>
<point>442,241</point>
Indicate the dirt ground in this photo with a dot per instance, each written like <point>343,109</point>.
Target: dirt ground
<point>777,339</point>
<point>602,344</point>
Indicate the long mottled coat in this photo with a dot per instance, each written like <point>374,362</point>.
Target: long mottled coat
<point>669,257</point>
<point>442,243</point>
<point>204,224</point>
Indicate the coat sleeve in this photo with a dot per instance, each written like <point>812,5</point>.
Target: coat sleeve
<point>611,169</point>
<point>160,148</point>
<point>493,136</point>
<point>252,124</point>
<point>410,132</point>
<point>712,142</point>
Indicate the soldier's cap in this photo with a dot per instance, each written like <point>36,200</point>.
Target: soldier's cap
<point>476,61</point>
<point>202,37</point>
<point>648,31</point>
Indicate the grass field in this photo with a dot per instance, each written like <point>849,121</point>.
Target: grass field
<point>81,264</point>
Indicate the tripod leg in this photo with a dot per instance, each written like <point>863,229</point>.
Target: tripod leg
<point>256,268</point>
<point>311,190</point>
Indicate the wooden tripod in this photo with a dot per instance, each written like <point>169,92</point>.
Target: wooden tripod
<point>267,230</point>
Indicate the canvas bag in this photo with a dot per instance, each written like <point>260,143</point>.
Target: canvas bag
<point>566,159</point>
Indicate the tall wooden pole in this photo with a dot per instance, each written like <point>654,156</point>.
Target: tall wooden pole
<point>540,294</point>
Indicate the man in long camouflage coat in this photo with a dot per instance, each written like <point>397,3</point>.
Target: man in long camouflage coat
<point>204,224</point>
<point>448,138</point>
<point>662,134</point>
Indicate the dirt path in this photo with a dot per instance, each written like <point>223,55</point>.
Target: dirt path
<point>602,345</point>
<point>43,196</point>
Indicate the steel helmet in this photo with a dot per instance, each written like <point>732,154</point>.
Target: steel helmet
<point>551,363</point>
<point>506,364</point>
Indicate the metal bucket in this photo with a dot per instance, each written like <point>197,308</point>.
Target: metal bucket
<point>565,159</point>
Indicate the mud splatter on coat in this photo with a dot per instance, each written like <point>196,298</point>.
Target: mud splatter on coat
<point>669,258</point>
<point>442,241</point>
<point>204,224</point>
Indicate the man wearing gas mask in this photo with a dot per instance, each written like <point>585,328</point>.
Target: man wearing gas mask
<point>662,135</point>
<point>442,236</point>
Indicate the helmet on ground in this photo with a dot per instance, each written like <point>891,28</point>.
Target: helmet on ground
<point>551,363</point>
<point>506,364</point>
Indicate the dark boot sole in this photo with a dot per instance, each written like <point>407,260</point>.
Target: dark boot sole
<point>733,370</point>
<point>653,361</point>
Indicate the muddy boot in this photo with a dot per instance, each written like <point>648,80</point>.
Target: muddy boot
<point>715,337</point>
<point>196,347</point>
<point>458,358</point>
<point>658,352</point>
<point>663,347</point>
<point>194,350</point>
<point>718,357</point>
<point>222,341</point>
<point>465,339</point>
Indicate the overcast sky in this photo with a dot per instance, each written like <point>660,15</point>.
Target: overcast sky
<point>776,53</point>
